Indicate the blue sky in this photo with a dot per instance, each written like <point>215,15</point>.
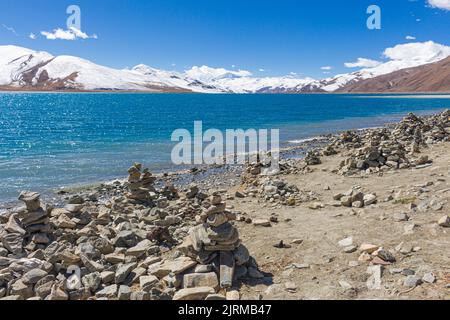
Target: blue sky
<point>278,37</point>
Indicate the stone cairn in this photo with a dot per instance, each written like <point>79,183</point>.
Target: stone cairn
<point>140,184</point>
<point>400,147</point>
<point>215,241</point>
<point>29,227</point>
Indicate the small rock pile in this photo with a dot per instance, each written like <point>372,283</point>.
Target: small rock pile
<point>215,244</point>
<point>28,228</point>
<point>140,184</point>
<point>354,198</point>
<point>393,148</point>
<point>251,174</point>
<point>313,158</point>
<point>277,191</point>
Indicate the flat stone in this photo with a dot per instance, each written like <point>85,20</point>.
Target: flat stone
<point>13,225</point>
<point>262,223</point>
<point>107,277</point>
<point>33,276</point>
<point>124,293</point>
<point>123,271</point>
<point>176,266</point>
<point>73,208</point>
<point>194,280</point>
<point>140,249</point>
<point>368,248</point>
<point>64,222</point>
<point>148,282</point>
<point>429,278</point>
<point>412,281</point>
<point>199,293</point>
<point>203,268</point>
<point>350,249</point>
<point>13,243</point>
<point>346,242</point>
<point>108,292</point>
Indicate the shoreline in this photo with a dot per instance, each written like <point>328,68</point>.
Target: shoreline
<point>295,150</point>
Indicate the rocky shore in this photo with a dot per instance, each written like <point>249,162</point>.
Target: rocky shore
<point>365,216</point>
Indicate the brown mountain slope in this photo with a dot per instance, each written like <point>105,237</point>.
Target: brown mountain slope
<point>434,77</point>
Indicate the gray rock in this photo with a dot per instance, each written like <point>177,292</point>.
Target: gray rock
<point>92,281</point>
<point>193,294</point>
<point>107,277</point>
<point>140,296</point>
<point>412,281</point>
<point>108,292</point>
<point>123,271</point>
<point>201,280</point>
<point>13,243</point>
<point>21,289</point>
<point>429,278</point>
<point>33,276</point>
<point>124,293</point>
<point>148,282</point>
<point>126,239</point>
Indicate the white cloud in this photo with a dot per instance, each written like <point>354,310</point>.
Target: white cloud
<point>32,36</point>
<point>417,51</point>
<point>410,38</point>
<point>71,34</point>
<point>326,68</point>
<point>10,29</point>
<point>206,73</point>
<point>362,63</point>
<point>440,4</point>
<point>262,70</point>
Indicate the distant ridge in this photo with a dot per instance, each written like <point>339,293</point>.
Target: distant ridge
<point>434,77</point>
<point>23,69</point>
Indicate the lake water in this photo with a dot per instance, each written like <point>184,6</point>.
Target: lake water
<point>53,140</point>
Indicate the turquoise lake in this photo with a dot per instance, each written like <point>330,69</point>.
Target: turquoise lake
<point>53,140</point>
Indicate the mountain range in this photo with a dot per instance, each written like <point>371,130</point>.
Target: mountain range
<point>412,67</point>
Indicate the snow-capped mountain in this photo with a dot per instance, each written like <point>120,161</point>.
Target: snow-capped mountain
<point>28,69</point>
<point>25,69</point>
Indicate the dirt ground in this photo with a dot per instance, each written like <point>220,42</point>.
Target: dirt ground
<point>323,270</point>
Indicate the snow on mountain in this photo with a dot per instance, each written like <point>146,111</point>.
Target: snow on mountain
<point>28,69</point>
<point>24,68</point>
<point>400,57</point>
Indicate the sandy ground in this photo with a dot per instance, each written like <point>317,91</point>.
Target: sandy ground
<point>330,273</point>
